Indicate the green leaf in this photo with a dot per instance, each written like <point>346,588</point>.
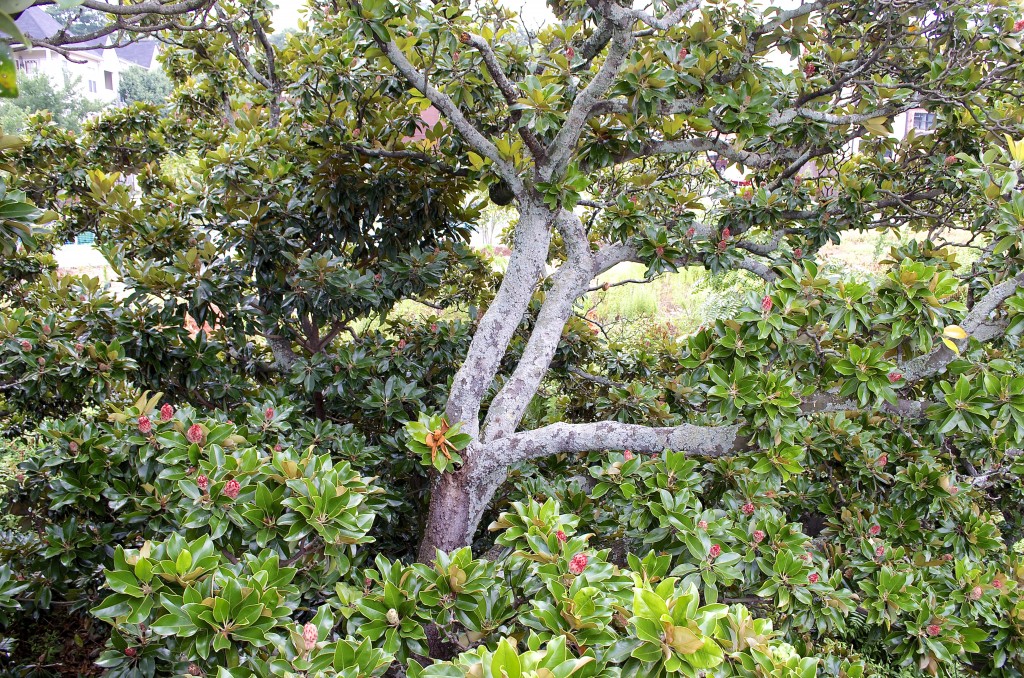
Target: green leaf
<point>505,662</point>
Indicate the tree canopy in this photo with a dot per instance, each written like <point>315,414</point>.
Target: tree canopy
<point>308,379</point>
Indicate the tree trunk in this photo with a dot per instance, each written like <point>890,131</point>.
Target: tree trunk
<point>458,500</point>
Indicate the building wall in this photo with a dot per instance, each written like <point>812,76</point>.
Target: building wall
<point>98,77</point>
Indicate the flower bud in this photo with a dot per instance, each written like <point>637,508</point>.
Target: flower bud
<point>231,489</point>
<point>195,434</point>
<point>578,563</point>
<point>310,634</point>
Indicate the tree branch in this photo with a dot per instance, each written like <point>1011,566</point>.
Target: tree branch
<point>597,379</point>
<point>509,90</point>
<point>667,21</point>
<point>706,441</point>
<point>759,269</point>
<point>571,281</point>
<point>561,148</point>
<point>444,104</point>
<point>978,324</point>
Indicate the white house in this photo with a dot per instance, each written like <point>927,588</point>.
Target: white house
<point>95,72</point>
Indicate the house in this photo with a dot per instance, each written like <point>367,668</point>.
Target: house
<point>95,72</point>
<point>142,54</point>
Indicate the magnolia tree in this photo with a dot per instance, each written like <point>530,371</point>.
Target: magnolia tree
<point>841,455</point>
<point>588,126</point>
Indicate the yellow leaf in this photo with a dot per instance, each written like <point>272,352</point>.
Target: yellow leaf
<point>951,346</point>
<point>955,332</point>
<point>685,641</point>
<point>1016,148</point>
<point>877,126</point>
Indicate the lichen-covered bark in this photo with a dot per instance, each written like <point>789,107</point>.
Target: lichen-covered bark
<point>493,334</point>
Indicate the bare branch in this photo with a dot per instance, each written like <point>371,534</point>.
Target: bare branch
<point>757,268</point>
<point>597,379</point>
<point>444,104</point>
<point>706,441</point>
<point>509,90</point>
<point>667,21</point>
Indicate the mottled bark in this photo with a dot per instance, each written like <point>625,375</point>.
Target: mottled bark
<point>284,356</point>
<point>493,334</point>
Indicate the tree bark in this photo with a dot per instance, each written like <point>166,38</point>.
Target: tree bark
<point>458,500</point>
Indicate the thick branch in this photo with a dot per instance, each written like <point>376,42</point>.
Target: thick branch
<point>759,269</point>
<point>979,324</point>
<point>492,336</point>
<point>561,148</point>
<point>571,281</point>
<point>707,441</point>
<point>447,107</point>
<point>284,356</point>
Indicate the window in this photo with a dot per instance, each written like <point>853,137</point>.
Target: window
<point>108,79</point>
<point>27,65</point>
<point>92,86</point>
<point>924,121</point>
<point>86,238</point>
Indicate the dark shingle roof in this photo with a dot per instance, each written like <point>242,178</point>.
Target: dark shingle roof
<point>35,23</point>
<point>142,53</point>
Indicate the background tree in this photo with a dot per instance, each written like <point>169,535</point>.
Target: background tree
<point>37,94</point>
<point>138,84</point>
<point>612,96</point>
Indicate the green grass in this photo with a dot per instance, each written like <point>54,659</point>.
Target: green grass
<point>683,300</point>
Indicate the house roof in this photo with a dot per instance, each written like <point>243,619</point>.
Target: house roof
<point>37,24</point>
<point>141,53</point>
